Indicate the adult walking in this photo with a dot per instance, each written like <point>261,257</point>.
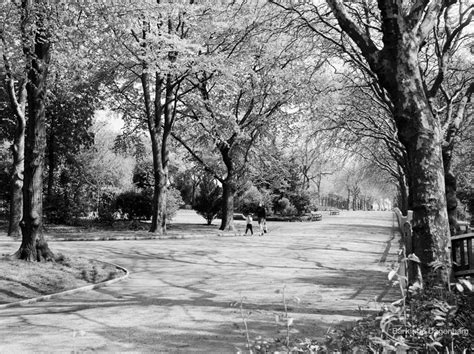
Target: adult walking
<point>262,218</point>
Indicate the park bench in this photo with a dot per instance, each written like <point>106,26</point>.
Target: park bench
<point>462,254</point>
<point>334,212</point>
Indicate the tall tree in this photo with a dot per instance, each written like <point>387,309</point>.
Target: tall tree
<point>37,51</point>
<point>156,53</point>
<point>242,97</point>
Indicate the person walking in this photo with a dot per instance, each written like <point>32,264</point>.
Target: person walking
<point>262,219</point>
<point>249,224</point>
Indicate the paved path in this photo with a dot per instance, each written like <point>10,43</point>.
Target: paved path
<point>181,293</point>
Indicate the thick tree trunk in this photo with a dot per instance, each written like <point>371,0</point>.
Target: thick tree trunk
<point>420,133</point>
<point>159,134</point>
<point>33,246</point>
<point>158,218</point>
<point>228,192</point>
<point>228,187</point>
<point>16,191</point>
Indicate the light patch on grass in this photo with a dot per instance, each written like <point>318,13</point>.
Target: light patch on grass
<point>21,280</point>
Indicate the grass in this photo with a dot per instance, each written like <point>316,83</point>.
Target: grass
<point>21,280</point>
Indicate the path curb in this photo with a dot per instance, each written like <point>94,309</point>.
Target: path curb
<point>126,238</point>
<point>71,291</point>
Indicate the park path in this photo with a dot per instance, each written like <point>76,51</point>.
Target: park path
<point>181,294</point>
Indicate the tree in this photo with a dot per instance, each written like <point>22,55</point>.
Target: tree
<point>243,97</point>
<point>209,199</point>
<point>156,53</point>
<point>388,43</point>
<point>37,51</point>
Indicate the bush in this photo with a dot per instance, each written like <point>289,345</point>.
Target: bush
<point>57,210</point>
<point>135,205</point>
<point>174,201</point>
<point>208,201</point>
<point>107,208</point>
<point>301,201</point>
<point>139,205</point>
<point>248,202</point>
<point>284,207</point>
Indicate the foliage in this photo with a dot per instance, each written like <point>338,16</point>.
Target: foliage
<point>136,205</point>
<point>143,174</point>
<point>209,199</point>
<point>63,210</point>
<point>173,203</point>
<point>432,320</point>
<point>301,200</point>
<point>284,207</point>
<point>249,201</point>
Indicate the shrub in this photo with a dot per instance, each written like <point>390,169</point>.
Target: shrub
<point>174,201</point>
<point>284,207</point>
<point>248,202</point>
<point>139,205</point>
<point>57,211</point>
<point>208,201</point>
<point>107,208</point>
<point>301,201</point>
<point>135,205</point>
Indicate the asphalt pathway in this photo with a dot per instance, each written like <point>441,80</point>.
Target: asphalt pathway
<point>183,295</point>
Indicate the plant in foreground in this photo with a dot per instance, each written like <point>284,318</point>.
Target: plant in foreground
<point>425,319</point>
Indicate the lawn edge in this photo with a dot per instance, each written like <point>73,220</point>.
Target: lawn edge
<point>125,238</point>
<point>71,291</point>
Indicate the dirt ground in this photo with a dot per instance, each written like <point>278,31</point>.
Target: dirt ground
<point>183,295</point>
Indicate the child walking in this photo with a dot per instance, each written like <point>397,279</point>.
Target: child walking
<point>249,224</point>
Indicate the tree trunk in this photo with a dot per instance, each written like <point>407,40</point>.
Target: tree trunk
<point>228,191</point>
<point>158,218</point>
<point>348,199</point>
<point>51,161</point>
<point>228,186</point>
<point>420,133</point>
<point>16,201</point>
<point>159,134</point>
<point>155,129</point>
<point>448,148</point>
<point>33,246</point>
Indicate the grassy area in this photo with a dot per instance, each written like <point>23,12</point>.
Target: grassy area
<point>21,280</point>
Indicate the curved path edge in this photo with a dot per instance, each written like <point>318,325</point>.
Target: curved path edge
<point>71,291</point>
